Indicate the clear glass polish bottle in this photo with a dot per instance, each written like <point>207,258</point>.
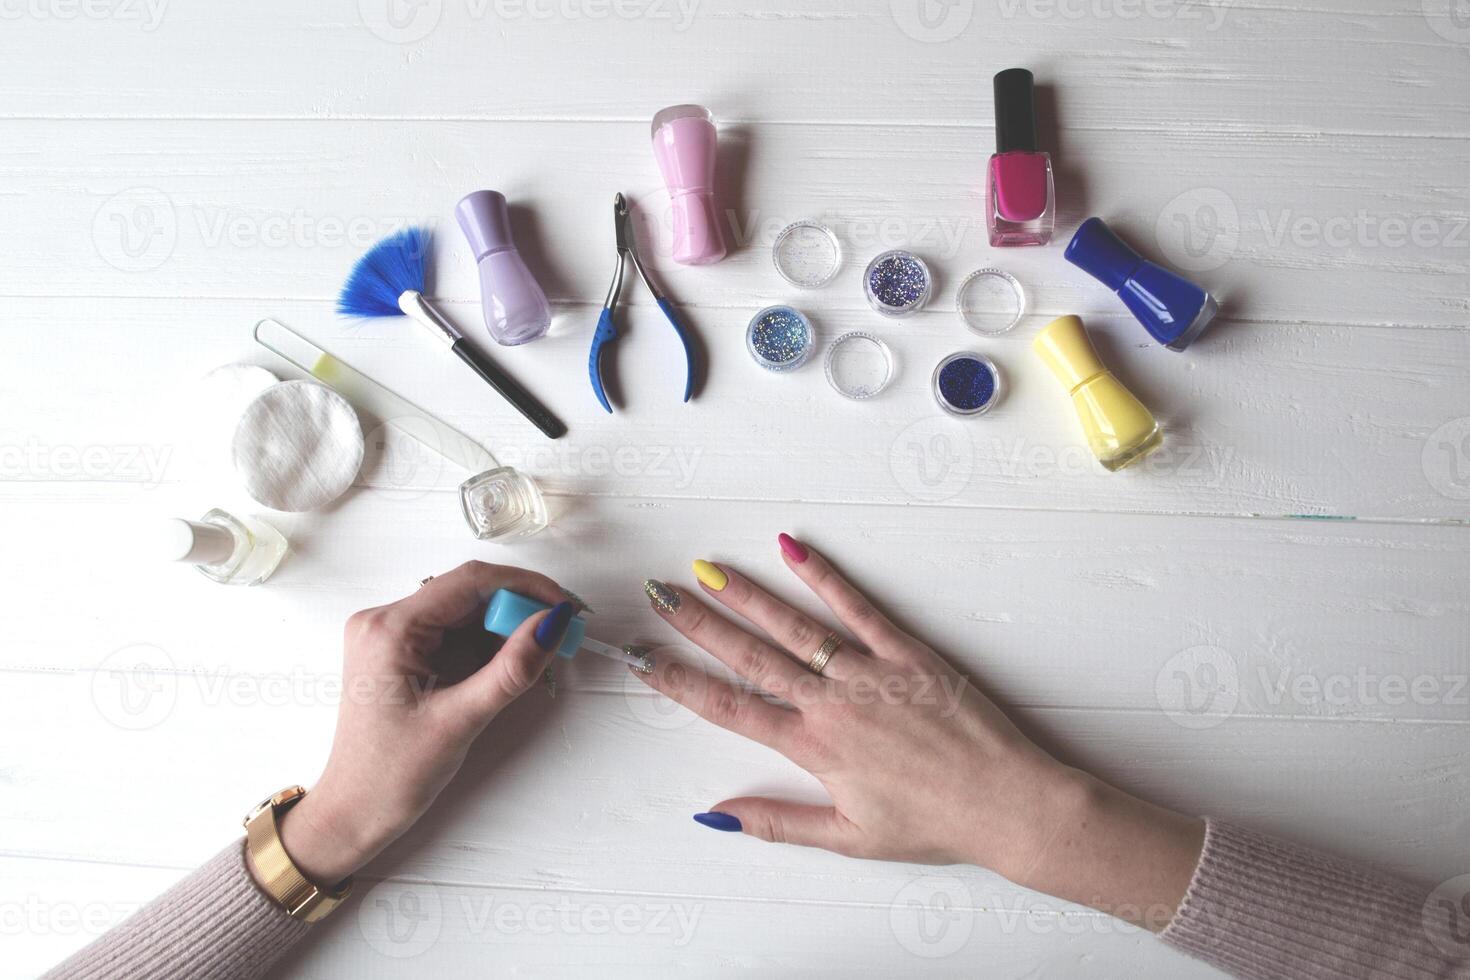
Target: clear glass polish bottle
<point>503,504</point>
<point>228,549</point>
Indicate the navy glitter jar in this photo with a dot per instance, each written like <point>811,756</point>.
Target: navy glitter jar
<point>780,338</point>
<point>897,283</point>
<point>966,384</point>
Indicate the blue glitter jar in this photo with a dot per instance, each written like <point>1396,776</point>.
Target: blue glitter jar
<point>897,283</point>
<point>780,338</point>
<point>966,384</point>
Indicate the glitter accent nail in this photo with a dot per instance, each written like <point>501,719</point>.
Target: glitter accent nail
<point>577,601</point>
<point>643,654</point>
<point>779,338</point>
<point>663,596</point>
<point>897,283</point>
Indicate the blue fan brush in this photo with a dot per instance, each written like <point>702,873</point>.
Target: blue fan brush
<point>389,281</point>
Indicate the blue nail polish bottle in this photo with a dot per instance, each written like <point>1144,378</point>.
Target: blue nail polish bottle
<point>510,609</point>
<point>1173,309</point>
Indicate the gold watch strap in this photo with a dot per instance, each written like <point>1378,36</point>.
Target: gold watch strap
<point>278,874</point>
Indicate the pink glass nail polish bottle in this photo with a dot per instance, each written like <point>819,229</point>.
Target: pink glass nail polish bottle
<point>1020,198</point>
<point>684,142</point>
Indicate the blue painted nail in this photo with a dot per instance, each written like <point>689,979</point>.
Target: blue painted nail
<point>719,821</point>
<point>554,626</point>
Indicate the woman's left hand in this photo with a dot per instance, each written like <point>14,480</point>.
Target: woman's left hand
<point>920,765</point>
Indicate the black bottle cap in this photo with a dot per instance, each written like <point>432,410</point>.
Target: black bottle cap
<point>1015,111</point>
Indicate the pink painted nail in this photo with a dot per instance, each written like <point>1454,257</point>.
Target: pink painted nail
<point>793,548</point>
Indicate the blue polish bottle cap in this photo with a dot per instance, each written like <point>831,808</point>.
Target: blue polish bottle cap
<point>509,610</point>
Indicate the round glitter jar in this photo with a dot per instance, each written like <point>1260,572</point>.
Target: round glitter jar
<point>990,301</point>
<point>858,365</point>
<point>897,282</point>
<point>806,254</point>
<point>966,383</point>
<point>780,338</point>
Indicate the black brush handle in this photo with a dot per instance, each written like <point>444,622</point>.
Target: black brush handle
<point>525,402</point>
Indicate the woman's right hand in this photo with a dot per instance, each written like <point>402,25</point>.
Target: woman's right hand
<point>919,764</point>
<point>411,706</point>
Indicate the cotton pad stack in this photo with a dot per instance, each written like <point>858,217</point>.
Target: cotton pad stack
<point>297,446</point>
<point>211,408</point>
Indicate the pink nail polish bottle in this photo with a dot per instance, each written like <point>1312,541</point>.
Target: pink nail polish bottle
<point>1020,198</point>
<point>684,142</point>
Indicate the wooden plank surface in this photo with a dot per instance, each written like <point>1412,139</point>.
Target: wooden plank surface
<point>1275,420</point>
<point>1282,227</point>
<point>1268,623</point>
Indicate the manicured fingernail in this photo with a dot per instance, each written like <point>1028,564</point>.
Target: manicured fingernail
<point>714,820</point>
<point>710,574</point>
<point>791,547</point>
<point>663,596</point>
<point>577,601</point>
<point>644,655</point>
<point>553,626</point>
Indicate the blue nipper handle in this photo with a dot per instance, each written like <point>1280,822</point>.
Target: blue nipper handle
<point>606,333</point>
<point>668,309</point>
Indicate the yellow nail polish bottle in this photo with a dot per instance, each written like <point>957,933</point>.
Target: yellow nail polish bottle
<point>1120,430</point>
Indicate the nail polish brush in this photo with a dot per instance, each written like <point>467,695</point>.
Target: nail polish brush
<point>389,281</point>
<point>509,609</point>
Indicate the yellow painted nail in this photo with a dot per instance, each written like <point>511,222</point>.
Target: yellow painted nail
<point>710,574</point>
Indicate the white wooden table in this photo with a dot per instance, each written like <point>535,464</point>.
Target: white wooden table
<point>1268,622</point>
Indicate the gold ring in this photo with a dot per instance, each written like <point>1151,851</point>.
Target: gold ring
<point>829,646</point>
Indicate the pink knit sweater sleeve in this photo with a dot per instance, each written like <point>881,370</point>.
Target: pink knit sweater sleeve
<point>215,923</point>
<point>1257,908</point>
<point>1262,909</point>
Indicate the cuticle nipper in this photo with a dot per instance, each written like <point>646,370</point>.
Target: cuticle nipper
<point>607,330</point>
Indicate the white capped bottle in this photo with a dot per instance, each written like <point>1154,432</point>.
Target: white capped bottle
<point>229,549</point>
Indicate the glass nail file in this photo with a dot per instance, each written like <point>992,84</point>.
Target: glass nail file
<point>370,396</point>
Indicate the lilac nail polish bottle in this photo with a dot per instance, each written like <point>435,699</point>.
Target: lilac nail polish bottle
<point>516,311</point>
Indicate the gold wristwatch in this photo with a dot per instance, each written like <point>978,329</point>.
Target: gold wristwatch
<point>274,868</point>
